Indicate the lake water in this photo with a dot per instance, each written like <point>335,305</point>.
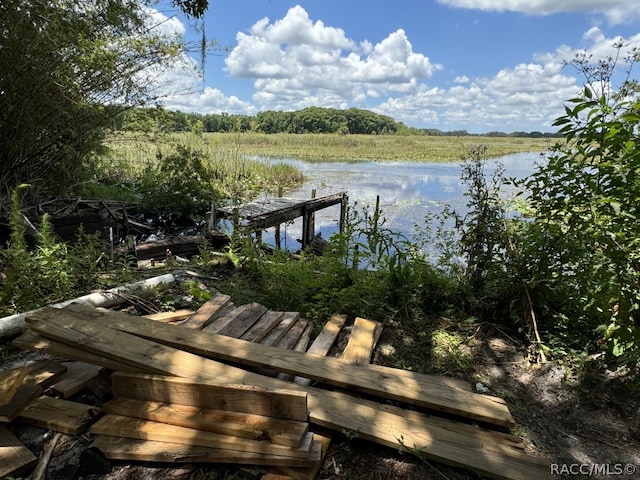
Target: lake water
<point>408,191</point>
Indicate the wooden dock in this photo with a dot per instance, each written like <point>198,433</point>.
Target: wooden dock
<point>272,212</point>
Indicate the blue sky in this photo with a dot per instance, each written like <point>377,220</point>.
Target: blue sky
<point>475,65</point>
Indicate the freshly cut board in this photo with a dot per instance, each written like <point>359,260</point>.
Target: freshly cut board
<point>244,425</point>
<point>207,312</point>
<point>119,426</point>
<point>118,448</point>
<point>59,415</point>
<point>271,402</point>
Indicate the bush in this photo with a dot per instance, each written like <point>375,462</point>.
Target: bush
<point>50,271</point>
<point>585,207</point>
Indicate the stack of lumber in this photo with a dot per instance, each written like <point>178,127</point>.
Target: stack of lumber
<point>154,417</point>
<point>224,347</point>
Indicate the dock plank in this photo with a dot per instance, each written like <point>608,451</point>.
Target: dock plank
<point>75,379</point>
<point>24,396</point>
<point>10,381</point>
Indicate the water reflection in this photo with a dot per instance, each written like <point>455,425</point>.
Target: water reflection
<point>408,191</point>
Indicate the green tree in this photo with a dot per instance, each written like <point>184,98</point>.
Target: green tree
<point>67,68</point>
<point>585,203</point>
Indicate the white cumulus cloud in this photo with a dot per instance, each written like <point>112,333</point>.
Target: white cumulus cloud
<point>524,97</point>
<point>298,62</point>
<point>616,11</point>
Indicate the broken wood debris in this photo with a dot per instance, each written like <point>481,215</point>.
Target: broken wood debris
<point>431,422</point>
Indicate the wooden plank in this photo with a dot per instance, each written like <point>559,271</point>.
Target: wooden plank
<point>26,394</point>
<point>242,314</point>
<point>334,410</point>
<point>288,320</point>
<point>264,214</point>
<point>75,379</point>
<point>245,317</point>
<point>245,425</point>
<point>58,415</point>
<point>271,402</point>
<point>327,337</point>
<point>10,381</point>
<point>262,327</point>
<point>45,373</point>
<point>302,473</point>
<point>169,317</point>
<point>118,448</point>
<point>300,346</point>
<point>292,337</point>
<point>31,340</point>
<point>359,348</point>
<point>324,341</point>
<point>434,392</point>
<point>119,426</point>
<point>362,341</point>
<point>207,312</point>
<point>15,458</point>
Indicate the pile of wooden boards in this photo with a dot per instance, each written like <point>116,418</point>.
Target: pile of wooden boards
<point>224,348</point>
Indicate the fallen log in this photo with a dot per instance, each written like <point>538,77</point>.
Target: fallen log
<point>13,325</point>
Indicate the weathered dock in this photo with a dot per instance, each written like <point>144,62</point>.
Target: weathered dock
<point>272,212</point>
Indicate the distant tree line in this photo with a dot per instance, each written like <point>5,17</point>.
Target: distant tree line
<point>307,120</point>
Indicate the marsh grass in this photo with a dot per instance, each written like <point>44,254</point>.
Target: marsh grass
<point>228,149</point>
<point>335,147</point>
<point>131,158</point>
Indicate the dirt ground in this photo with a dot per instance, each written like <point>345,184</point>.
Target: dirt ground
<point>576,424</point>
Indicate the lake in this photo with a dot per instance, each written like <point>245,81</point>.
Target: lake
<point>408,190</point>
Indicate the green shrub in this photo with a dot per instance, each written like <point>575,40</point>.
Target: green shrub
<point>49,272</point>
<point>584,237</point>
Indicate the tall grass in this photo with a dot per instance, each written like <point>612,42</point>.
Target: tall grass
<point>132,159</point>
<point>329,147</point>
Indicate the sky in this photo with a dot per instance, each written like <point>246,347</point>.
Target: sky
<point>474,65</point>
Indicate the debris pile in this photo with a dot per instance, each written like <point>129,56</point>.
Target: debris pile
<point>241,385</point>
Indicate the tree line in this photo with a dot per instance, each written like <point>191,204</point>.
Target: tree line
<point>307,120</point>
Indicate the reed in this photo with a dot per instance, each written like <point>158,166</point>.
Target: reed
<point>335,147</point>
<point>130,156</point>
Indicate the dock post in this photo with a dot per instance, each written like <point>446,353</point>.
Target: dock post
<point>277,228</point>
<point>343,211</point>
<point>308,224</point>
